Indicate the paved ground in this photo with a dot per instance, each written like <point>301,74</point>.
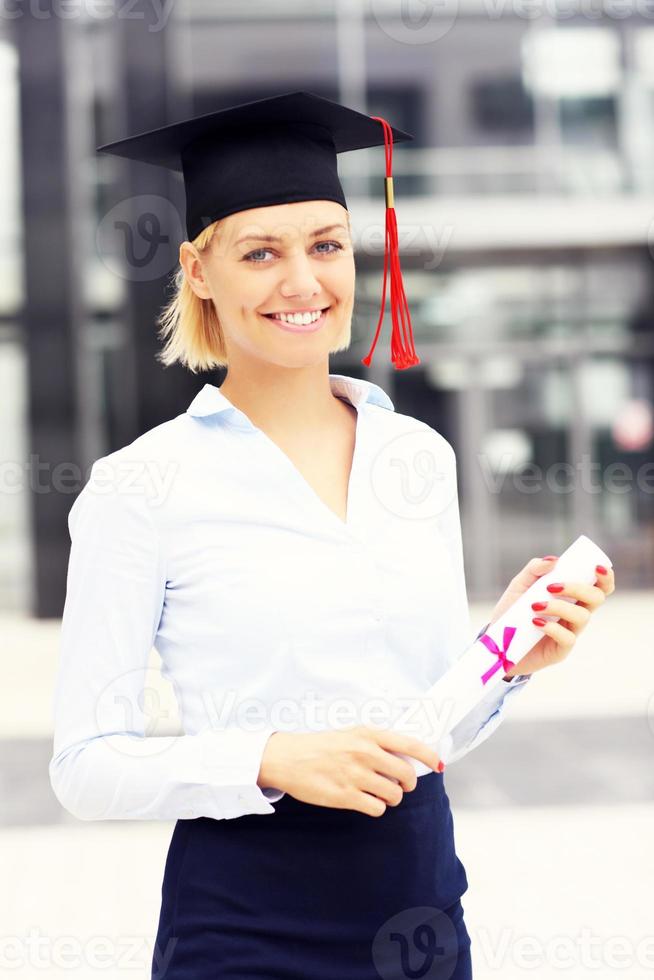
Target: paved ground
<point>554,820</point>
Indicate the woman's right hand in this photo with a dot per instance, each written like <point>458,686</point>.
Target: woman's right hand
<point>352,768</point>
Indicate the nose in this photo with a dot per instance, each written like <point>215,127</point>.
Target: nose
<point>300,281</point>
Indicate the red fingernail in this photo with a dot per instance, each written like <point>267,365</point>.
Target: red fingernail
<point>537,621</point>
<point>555,587</point>
<point>441,766</point>
<point>539,606</point>
<point>549,557</point>
<point>600,569</point>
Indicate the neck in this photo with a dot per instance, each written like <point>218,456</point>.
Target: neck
<point>284,400</point>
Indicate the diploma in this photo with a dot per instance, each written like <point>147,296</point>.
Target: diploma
<point>483,665</point>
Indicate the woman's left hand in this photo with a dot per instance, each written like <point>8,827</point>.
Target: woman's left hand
<point>560,637</point>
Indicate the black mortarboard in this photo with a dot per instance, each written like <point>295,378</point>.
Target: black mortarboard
<point>275,151</point>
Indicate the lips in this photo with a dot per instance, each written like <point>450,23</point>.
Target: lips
<point>302,327</point>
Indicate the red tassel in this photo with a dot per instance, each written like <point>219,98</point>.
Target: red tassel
<point>403,353</point>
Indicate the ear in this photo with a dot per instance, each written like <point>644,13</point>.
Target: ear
<point>191,263</point>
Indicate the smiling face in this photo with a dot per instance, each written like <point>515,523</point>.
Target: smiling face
<point>291,259</point>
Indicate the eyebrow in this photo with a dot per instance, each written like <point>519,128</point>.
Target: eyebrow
<point>272,238</point>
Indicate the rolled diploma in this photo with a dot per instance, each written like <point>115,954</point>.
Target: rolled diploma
<point>463,687</point>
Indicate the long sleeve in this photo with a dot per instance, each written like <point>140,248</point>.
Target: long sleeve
<point>104,766</point>
<point>480,723</point>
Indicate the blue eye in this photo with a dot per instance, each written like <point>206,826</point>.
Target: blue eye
<point>335,244</point>
<point>248,258</point>
<point>259,251</point>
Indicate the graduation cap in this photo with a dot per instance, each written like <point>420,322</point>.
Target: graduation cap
<point>277,151</point>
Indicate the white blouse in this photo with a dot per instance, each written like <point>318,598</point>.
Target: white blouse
<point>269,612</point>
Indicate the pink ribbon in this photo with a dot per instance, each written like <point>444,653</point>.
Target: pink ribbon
<point>503,660</point>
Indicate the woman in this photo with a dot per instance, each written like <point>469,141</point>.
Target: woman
<point>297,586</point>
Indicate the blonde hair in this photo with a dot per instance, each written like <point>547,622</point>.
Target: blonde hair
<point>189,324</point>
<point>190,327</point>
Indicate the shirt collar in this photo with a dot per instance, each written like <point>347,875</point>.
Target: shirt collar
<point>210,399</point>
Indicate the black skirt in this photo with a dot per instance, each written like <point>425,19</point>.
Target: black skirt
<point>316,893</point>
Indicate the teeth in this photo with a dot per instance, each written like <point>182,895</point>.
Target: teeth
<point>299,319</point>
